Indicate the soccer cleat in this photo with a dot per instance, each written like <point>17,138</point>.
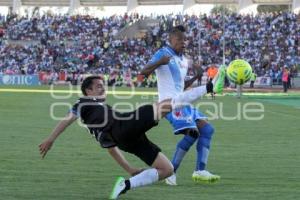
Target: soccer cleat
<point>171,180</point>
<point>119,187</point>
<point>219,80</point>
<point>204,176</point>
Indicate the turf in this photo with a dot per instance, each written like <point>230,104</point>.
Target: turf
<point>256,159</point>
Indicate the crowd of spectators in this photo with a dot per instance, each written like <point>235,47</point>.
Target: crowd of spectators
<point>84,44</point>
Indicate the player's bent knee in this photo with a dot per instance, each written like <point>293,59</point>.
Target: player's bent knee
<point>169,171</point>
<point>163,166</point>
<point>166,171</point>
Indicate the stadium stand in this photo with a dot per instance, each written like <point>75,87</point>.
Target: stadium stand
<point>118,44</point>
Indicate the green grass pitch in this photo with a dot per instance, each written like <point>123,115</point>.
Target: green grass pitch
<point>256,159</point>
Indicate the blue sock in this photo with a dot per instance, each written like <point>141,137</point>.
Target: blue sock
<point>203,145</point>
<point>182,147</point>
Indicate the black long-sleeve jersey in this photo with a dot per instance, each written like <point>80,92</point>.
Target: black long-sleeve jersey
<point>98,117</point>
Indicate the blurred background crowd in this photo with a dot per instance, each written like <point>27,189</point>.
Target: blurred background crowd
<point>75,45</point>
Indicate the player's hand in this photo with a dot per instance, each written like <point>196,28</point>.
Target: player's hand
<point>164,60</point>
<point>45,147</point>
<point>134,171</point>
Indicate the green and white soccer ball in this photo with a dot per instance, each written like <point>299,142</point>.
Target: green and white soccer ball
<point>239,71</point>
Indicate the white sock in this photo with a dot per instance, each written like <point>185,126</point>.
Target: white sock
<point>146,177</point>
<point>188,96</point>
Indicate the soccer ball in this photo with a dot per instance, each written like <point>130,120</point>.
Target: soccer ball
<point>239,71</point>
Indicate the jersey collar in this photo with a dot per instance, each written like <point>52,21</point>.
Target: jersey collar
<point>172,50</point>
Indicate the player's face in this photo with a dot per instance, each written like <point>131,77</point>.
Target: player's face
<point>97,89</point>
<point>177,42</point>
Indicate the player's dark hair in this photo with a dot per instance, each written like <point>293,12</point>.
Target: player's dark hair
<point>180,28</point>
<point>87,83</point>
<point>177,30</point>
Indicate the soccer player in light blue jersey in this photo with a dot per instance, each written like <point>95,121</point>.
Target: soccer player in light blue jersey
<point>171,66</point>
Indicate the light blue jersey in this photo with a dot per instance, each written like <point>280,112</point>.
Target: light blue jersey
<point>170,83</point>
<point>170,77</point>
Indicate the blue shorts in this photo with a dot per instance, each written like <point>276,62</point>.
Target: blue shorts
<point>183,118</point>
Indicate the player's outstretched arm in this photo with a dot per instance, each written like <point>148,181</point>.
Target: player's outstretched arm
<point>121,160</point>
<point>150,67</point>
<point>46,145</point>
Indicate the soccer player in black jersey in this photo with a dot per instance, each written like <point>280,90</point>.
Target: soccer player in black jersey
<point>125,131</point>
